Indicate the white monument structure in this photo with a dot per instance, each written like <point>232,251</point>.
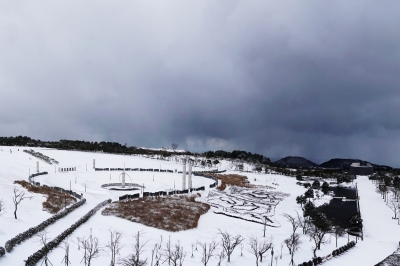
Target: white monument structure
<point>184,177</point>
<point>123,179</point>
<point>94,163</point>
<point>190,177</point>
<point>37,166</point>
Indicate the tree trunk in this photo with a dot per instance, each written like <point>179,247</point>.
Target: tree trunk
<point>15,212</point>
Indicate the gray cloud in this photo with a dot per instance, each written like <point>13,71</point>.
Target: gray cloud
<point>281,78</point>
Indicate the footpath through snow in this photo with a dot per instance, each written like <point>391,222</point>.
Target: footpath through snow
<point>381,232</point>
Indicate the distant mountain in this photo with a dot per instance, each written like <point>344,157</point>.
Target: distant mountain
<point>295,161</point>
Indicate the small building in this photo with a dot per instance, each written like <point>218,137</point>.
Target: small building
<point>361,168</point>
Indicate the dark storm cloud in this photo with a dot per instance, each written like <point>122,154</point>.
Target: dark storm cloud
<point>281,78</point>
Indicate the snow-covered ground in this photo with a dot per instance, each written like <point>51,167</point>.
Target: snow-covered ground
<point>381,232</point>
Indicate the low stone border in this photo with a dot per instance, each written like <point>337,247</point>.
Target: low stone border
<point>10,244</point>
<point>336,252</point>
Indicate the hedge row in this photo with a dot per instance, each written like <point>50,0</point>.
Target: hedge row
<point>204,174</point>
<point>2,251</point>
<point>134,169</point>
<point>72,193</point>
<point>314,261</point>
<point>38,174</point>
<point>336,252</point>
<point>34,230</point>
<point>41,156</point>
<point>344,248</point>
<point>38,255</point>
<point>159,193</point>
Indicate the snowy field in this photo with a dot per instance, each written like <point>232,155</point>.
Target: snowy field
<point>382,234</point>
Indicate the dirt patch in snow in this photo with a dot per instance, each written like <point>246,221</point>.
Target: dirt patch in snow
<point>232,180</point>
<point>55,201</point>
<point>172,213</point>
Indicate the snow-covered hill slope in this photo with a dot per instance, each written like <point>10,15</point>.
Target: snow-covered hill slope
<point>381,232</point>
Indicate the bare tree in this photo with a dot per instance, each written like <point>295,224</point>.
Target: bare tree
<point>293,244</point>
<point>318,235</point>
<point>295,223</point>
<point>91,249</point>
<point>276,260</point>
<point>17,198</point>
<point>259,248</point>
<point>168,250</point>
<point>229,243</point>
<point>264,220</point>
<point>66,255</point>
<point>174,255</point>
<point>134,259</point>
<point>155,255</point>
<point>303,223</point>
<point>174,146</point>
<point>42,240</point>
<point>395,207</point>
<point>114,245</point>
<point>221,256</point>
<point>337,232</point>
<point>207,251</point>
<point>193,245</point>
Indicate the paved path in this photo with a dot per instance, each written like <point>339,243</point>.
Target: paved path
<point>22,251</point>
<point>381,232</point>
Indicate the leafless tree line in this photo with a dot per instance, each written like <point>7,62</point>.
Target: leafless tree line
<point>174,253</point>
<point>163,252</point>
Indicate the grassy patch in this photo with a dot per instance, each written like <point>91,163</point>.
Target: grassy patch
<point>56,200</point>
<point>172,213</point>
<point>232,180</point>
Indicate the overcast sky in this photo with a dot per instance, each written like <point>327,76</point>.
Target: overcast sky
<point>318,79</point>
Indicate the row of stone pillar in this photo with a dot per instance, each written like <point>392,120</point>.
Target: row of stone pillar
<point>66,169</point>
<point>184,177</point>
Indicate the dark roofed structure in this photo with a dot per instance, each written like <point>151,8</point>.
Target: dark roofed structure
<point>361,168</point>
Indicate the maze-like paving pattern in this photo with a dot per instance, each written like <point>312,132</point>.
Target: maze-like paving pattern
<point>250,204</point>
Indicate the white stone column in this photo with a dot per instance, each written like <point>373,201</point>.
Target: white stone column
<point>184,177</point>
<point>37,166</point>
<point>190,177</point>
<point>94,163</point>
<point>123,179</point>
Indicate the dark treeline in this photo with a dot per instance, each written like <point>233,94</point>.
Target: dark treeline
<point>236,154</point>
<point>115,147</point>
<point>80,145</point>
